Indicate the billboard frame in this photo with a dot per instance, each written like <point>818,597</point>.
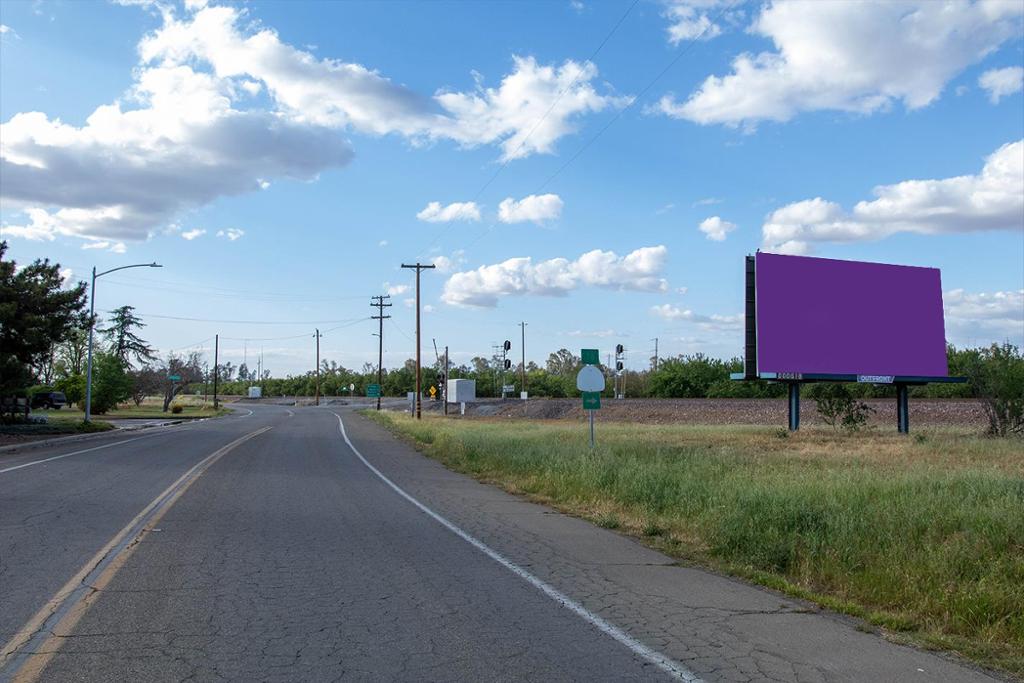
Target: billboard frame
<point>793,380</point>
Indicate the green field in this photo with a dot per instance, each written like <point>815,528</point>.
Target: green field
<point>921,535</point>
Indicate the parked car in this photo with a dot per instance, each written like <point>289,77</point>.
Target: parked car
<point>49,399</point>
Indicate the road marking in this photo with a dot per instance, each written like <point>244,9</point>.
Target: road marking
<point>40,638</point>
<point>68,455</point>
<point>661,661</point>
<point>290,413</point>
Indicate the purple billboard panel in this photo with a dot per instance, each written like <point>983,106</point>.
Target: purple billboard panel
<point>818,315</point>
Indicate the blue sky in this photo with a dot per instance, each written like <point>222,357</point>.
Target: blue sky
<point>318,135</point>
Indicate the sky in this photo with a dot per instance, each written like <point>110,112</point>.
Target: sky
<point>595,169</point>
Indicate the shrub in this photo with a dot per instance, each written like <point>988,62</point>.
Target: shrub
<point>111,384</point>
<point>838,408</point>
<point>176,409</point>
<point>998,379</point>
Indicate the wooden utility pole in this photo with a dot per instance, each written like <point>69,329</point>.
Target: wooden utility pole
<point>522,326</point>
<point>655,354</point>
<point>216,367</point>
<point>418,267</point>
<point>378,302</point>
<point>316,401</point>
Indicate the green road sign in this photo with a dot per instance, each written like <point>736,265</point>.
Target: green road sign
<point>591,400</point>
<point>174,378</point>
<point>373,390</point>
<point>590,356</point>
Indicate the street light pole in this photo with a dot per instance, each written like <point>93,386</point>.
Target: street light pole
<point>92,324</point>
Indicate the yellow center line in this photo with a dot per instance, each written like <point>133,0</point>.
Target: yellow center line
<point>45,631</point>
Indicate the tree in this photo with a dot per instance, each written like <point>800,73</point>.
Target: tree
<point>838,408</point>
<point>563,362</point>
<point>71,352</point>
<point>110,382</point>
<point>190,369</point>
<point>145,381</point>
<point>998,379</point>
<point>35,313</point>
<point>124,343</point>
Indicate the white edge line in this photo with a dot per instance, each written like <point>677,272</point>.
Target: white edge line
<point>68,455</point>
<point>661,661</point>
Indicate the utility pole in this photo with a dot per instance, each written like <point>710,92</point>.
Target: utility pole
<point>655,340</point>
<point>379,303</point>
<point>522,326</point>
<point>418,267</point>
<point>444,390</point>
<point>216,367</point>
<point>316,400</point>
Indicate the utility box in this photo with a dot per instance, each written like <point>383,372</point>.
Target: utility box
<point>461,390</point>
<point>255,392</point>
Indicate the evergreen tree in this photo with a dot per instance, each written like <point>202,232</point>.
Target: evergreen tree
<point>123,341</point>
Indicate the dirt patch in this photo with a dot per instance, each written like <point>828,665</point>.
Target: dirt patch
<point>720,411</point>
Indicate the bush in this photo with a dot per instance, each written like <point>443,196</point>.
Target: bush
<point>998,379</point>
<point>111,384</point>
<point>73,387</point>
<point>838,408</point>
<point>177,409</point>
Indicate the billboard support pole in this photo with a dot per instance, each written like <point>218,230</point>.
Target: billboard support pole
<point>902,409</point>
<point>794,406</point>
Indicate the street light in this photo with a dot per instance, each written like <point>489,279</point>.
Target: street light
<point>92,324</point>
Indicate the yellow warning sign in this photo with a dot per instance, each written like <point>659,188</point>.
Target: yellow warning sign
<point>433,392</point>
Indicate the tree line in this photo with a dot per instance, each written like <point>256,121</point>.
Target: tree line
<point>44,335</point>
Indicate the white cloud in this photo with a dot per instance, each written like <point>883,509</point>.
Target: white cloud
<point>447,264</point>
<point>990,200</point>
<point>382,243</point>
<point>395,290</point>
<point>599,334</point>
<point>6,31</point>
<point>457,211</point>
<point>716,229</point>
<point>857,57</point>
<point>707,201</point>
<point>231,233</point>
<point>673,313</point>
<point>65,277</point>
<point>689,20</point>
<point>1002,82</point>
<point>189,129</point>
<point>535,208</point>
<point>192,234</point>
<point>982,318</point>
<point>639,270</point>
<point>534,106</point>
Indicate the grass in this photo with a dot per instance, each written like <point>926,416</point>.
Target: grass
<point>921,536</point>
<point>70,425</point>
<point>150,409</point>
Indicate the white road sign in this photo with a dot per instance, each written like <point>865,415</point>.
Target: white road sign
<point>590,379</point>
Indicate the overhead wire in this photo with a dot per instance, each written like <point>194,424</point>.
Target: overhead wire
<point>536,125</point>
<point>679,55</point>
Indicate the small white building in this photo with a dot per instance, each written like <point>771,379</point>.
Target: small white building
<point>255,392</point>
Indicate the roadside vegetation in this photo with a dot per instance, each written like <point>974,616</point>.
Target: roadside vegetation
<point>920,535</point>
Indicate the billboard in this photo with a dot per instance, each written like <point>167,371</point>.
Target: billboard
<point>816,315</point>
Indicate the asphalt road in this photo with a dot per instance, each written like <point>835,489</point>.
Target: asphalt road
<point>278,546</point>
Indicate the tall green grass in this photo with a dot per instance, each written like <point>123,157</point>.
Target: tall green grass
<point>921,535</point>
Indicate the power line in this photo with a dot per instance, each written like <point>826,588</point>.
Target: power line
<point>618,115</point>
<point>536,125</point>
<point>248,322</point>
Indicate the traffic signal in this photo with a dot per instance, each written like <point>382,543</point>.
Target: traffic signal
<point>619,349</point>
<point>508,363</point>
<point>618,365</point>
<point>507,345</point>
<point>440,377</point>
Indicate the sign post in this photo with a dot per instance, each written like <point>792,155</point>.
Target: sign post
<point>590,381</point>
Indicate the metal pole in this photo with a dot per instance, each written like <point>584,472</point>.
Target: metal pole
<point>380,361</point>
<point>92,323</point>
<point>316,400</point>
<point>902,409</point>
<point>444,389</point>
<point>591,429</point>
<point>216,367</point>
<point>522,325</point>
<point>794,406</point>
